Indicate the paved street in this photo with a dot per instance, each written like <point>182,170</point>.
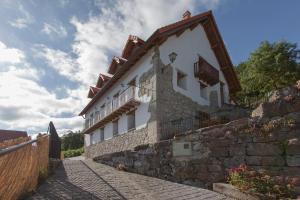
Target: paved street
<point>85,179</point>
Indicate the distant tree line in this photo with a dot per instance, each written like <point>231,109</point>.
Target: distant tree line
<point>72,140</point>
<point>270,67</point>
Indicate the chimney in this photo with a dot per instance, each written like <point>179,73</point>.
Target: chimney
<point>187,14</point>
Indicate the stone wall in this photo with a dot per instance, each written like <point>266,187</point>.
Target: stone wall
<point>273,145</point>
<point>118,143</point>
<point>172,105</point>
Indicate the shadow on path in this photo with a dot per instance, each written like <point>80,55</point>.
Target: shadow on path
<point>75,180</point>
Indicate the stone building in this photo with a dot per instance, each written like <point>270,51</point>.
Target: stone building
<point>181,70</point>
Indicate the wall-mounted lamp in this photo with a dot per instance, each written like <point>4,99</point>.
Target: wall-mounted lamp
<point>172,57</point>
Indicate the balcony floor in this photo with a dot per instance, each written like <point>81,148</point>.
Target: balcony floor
<point>127,107</point>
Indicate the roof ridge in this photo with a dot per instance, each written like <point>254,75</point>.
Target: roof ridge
<point>183,21</point>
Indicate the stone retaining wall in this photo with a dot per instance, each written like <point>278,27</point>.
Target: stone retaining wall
<point>119,143</point>
<point>273,145</point>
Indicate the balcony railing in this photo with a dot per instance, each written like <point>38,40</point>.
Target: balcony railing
<point>126,100</point>
<point>206,72</point>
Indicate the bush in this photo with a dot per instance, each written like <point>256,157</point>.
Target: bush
<point>73,152</point>
<point>252,181</point>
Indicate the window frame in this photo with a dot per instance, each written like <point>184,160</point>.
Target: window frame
<point>181,82</point>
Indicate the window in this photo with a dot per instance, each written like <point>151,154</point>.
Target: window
<point>131,120</point>
<point>102,111</point>
<point>203,90</point>
<point>93,137</point>
<point>102,134</point>
<point>115,128</point>
<point>91,119</point>
<point>87,123</point>
<point>115,102</point>
<point>97,116</point>
<point>181,80</point>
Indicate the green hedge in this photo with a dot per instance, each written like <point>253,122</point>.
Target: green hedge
<point>73,152</point>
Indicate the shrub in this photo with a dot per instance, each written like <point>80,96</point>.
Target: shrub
<point>252,181</point>
<point>73,152</point>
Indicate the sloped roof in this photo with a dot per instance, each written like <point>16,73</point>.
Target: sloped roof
<point>114,64</point>
<point>93,91</point>
<point>161,35</point>
<point>102,78</point>
<point>133,42</point>
<point>11,134</point>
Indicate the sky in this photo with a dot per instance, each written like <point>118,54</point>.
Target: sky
<point>52,51</point>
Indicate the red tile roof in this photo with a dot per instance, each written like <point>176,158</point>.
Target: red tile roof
<point>114,64</point>
<point>102,79</point>
<point>160,35</point>
<point>133,42</point>
<point>93,91</point>
<point>11,134</point>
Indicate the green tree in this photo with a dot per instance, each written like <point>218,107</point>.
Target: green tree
<point>72,141</point>
<point>272,66</point>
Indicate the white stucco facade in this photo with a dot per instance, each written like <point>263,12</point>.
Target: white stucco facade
<point>141,113</point>
<point>188,46</point>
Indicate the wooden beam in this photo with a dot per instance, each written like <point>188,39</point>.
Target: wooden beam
<point>178,33</point>
<point>193,26</point>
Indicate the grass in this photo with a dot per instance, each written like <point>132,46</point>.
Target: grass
<point>73,152</point>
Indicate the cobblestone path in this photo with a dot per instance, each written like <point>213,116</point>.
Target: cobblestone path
<point>81,180</point>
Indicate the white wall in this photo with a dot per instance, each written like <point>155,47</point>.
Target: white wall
<point>188,46</point>
<point>142,115</point>
<point>87,140</point>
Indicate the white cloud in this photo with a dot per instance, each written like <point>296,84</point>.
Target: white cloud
<point>26,105</point>
<point>103,36</point>
<point>63,3</point>
<point>56,29</point>
<point>10,55</point>
<point>23,21</point>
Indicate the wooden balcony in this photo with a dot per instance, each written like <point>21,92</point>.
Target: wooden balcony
<point>124,103</point>
<point>206,72</point>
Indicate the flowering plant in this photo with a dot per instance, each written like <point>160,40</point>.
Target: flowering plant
<point>249,180</point>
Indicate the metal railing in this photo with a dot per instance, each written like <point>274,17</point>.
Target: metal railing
<point>168,129</point>
<point>171,128</point>
<point>112,106</point>
<point>13,148</point>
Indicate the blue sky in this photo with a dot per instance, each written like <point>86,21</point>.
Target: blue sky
<point>51,51</point>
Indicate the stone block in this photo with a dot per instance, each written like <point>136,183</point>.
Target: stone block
<point>237,150</point>
<point>293,161</point>
<point>219,151</point>
<point>295,116</point>
<point>221,142</point>
<point>291,171</point>
<point>293,147</point>
<point>239,123</point>
<point>265,160</point>
<point>234,161</point>
<point>214,168</point>
<point>263,149</point>
<point>231,191</point>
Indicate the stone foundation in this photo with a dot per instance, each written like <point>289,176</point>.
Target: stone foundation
<point>275,146</point>
<point>118,143</point>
